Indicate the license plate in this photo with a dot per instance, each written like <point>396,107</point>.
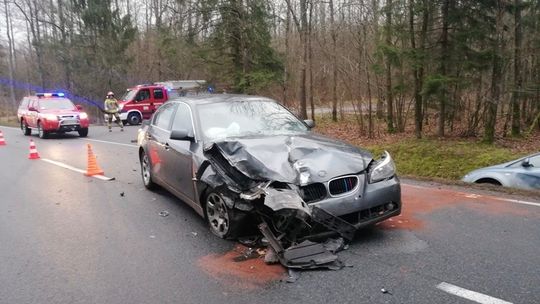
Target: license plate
<point>69,122</point>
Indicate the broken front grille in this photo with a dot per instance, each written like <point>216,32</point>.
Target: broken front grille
<point>367,214</point>
<point>342,185</point>
<point>313,192</point>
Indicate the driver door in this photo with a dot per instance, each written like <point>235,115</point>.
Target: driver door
<point>180,155</point>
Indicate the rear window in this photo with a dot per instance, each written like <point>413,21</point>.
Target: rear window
<point>55,104</point>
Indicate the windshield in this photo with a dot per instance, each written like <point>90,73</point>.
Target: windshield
<point>56,104</point>
<point>129,95</point>
<point>245,118</point>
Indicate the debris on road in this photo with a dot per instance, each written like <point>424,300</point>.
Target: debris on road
<point>194,233</point>
<point>122,194</point>
<point>250,253</point>
<point>164,213</point>
<point>293,276</point>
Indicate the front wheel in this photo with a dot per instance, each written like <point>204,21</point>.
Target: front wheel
<point>25,129</point>
<point>83,132</point>
<point>146,172</point>
<point>134,119</point>
<point>223,221</point>
<point>41,133</point>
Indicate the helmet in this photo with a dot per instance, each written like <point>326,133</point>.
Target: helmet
<point>110,93</point>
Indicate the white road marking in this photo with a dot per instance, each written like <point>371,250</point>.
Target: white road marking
<point>88,139</point>
<point>477,196</point>
<point>469,294</point>
<point>6,127</point>
<point>66,166</point>
<point>110,142</point>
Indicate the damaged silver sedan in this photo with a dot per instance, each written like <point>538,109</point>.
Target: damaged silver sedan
<point>245,162</point>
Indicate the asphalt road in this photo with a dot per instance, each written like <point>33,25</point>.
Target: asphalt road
<point>68,238</point>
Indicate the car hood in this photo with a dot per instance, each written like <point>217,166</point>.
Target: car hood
<point>299,159</point>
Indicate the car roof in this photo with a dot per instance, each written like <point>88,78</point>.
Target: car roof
<point>218,98</point>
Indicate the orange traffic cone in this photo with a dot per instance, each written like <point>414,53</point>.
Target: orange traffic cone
<point>93,168</point>
<point>33,151</point>
<point>2,140</point>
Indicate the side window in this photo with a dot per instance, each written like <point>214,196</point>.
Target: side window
<point>535,161</point>
<point>182,119</point>
<point>143,94</point>
<point>162,118</point>
<point>158,94</point>
<point>34,103</point>
<point>24,103</point>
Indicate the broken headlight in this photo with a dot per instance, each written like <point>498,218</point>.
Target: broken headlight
<point>382,169</point>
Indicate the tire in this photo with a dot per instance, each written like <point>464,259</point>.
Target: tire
<point>223,221</point>
<point>42,133</point>
<point>146,172</point>
<point>25,129</point>
<point>134,119</point>
<point>83,132</point>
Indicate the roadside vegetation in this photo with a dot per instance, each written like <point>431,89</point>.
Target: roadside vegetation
<point>431,157</point>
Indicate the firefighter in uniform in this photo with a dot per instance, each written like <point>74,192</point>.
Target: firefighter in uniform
<point>112,108</point>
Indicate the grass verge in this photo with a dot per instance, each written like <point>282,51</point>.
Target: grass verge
<point>432,158</point>
<point>446,159</point>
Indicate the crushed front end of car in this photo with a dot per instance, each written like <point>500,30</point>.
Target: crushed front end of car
<point>300,189</point>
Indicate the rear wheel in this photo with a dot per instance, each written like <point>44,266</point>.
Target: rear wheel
<point>146,172</point>
<point>223,221</point>
<point>134,119</point>
<point>83,132</point>
<point>42,133</point>
<point>25,129</point>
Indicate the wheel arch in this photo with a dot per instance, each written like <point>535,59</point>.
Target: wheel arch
<point>488,180</point>
<point>134,111</point>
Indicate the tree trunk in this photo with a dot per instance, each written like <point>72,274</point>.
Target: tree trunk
<point>286,59</point>
<point>389,93</point>
<point>443,68</point>
<point>496,77</point>
<point>518,80</point>
<point>310,59</point>
<point>11,46</point>
<point>333,34</point>
<point>303,72</point>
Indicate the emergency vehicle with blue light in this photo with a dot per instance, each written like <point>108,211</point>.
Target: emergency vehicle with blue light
<point>51,113</point>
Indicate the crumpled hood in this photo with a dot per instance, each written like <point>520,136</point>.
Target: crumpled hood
<point>297,159</point>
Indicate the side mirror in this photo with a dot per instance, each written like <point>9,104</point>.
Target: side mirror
<point>79,107</point>
<point>309,123</point>
<point>525,163</point>
<point>33,109</point>
<point>181,134</point>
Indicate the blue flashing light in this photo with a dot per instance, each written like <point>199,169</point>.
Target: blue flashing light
<point>60,94</point>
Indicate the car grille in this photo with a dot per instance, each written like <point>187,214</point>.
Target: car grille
<point>342,185</point>
<point>68,120</point>
<point>313,192</point>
